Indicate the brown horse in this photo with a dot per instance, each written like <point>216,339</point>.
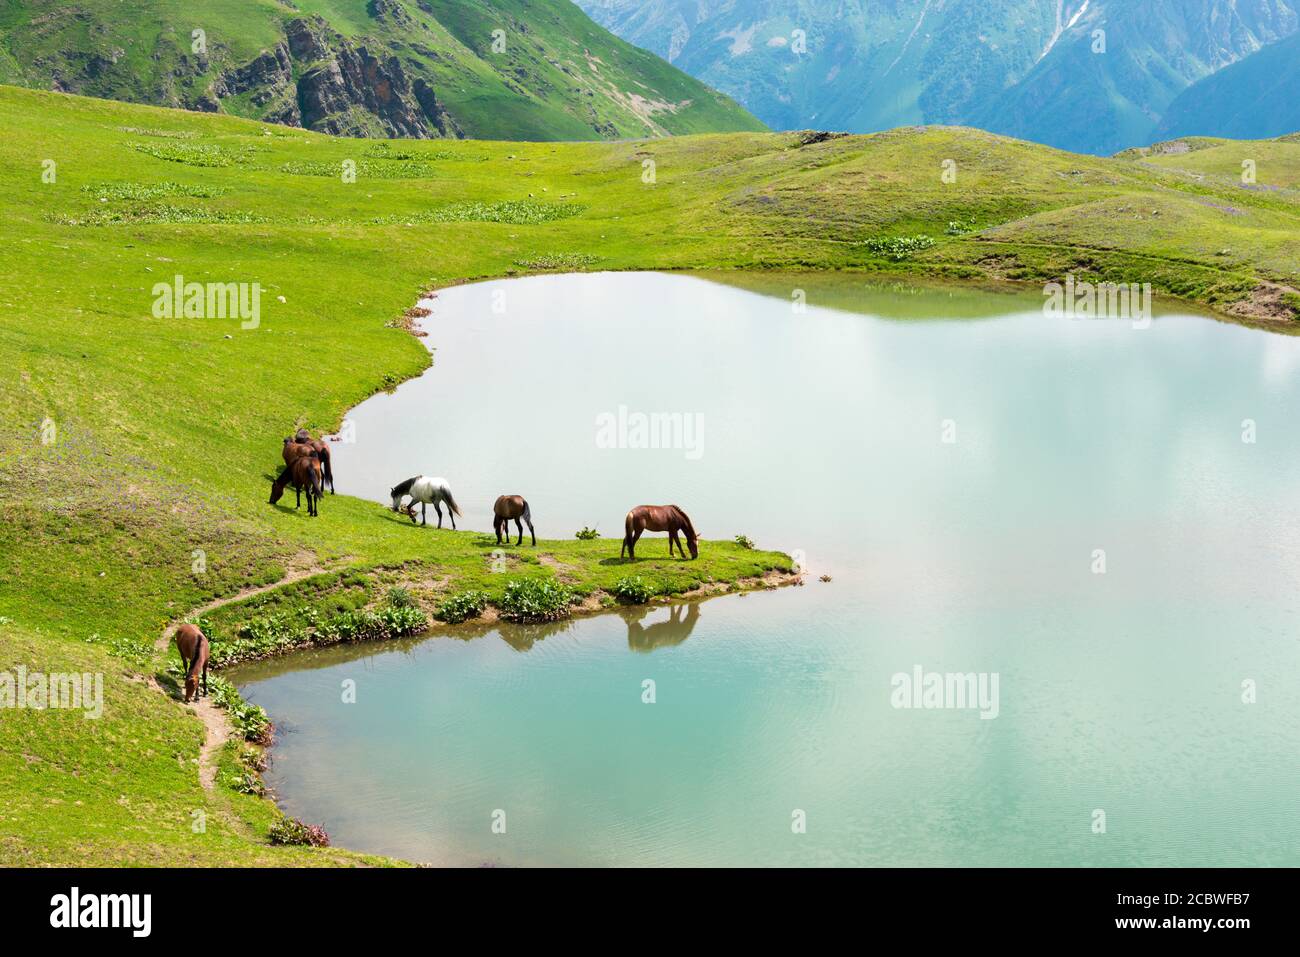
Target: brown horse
<point>305,474</point>
<point>298,446</point>
<point>659,518</point>
<point>514,507</point>
<point>195,651</point>
<point>294,449</point>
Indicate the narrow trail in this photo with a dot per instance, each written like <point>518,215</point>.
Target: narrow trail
<point>216,724</point>
<point>293,575</point>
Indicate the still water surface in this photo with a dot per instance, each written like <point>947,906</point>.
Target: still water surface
<point>825,431</point>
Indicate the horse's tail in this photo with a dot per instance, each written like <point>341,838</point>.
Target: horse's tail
<point>451,502</point>
<point>327,460</point>
<point>528,514</point>
<point>627,534</point>
<point>198,655</point>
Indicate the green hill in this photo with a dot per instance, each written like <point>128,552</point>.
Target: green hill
<point>129,443</point>
<point>490,69</point>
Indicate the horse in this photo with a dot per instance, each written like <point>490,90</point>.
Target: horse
<point>425,490</point>
<point>295,447</point>
<point>305,474</point>
<point>195,652</point>
<point>509,507</point>
<point>659,518</point>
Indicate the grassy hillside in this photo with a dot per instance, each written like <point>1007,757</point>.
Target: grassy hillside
<point>165,430</point>
<point>365,67</point>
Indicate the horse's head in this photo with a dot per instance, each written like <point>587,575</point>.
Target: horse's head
<point>277,491</point>
<point>191,686</point>
<point>397,499</point>
<point>692,542</point>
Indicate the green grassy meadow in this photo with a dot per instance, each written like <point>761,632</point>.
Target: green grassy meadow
<point>132,445</point>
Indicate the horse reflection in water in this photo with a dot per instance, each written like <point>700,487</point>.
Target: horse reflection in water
<point>641,637</point>
<point>661,634</point>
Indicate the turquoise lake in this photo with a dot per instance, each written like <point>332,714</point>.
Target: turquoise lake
<point>1103,517</point>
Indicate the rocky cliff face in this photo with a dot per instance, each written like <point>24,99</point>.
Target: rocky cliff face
<point>320,80</point>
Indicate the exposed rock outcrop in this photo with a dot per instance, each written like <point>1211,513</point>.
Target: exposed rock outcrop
<point>323,81</point>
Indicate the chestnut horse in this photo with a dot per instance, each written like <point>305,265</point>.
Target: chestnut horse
<point>659,518</point>
<point>514,507</point>
<point>305,474</point>
<point>195,651</point>
<point>301,444</point>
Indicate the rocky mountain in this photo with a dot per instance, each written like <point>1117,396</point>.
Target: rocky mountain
<point>1087,75</point>
<point>1256,98</point>
<point>494,69</point>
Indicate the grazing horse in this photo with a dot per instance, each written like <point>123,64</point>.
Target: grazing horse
<point>659,518</point>
<point>296,447</point>
<point>514,507</point>
<point>423,491</point>
<point>305,474</point>
<point>194,649</point>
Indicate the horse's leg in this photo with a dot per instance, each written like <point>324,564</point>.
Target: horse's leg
<point>520,526</point>
<point>205,674</point>
<point>424,513</point>
<point>672,540</point>
<point>636,537</point>
<point>496,527</point>
<point>438,508</point>
<point>452,515</point>
<point>530,532</point>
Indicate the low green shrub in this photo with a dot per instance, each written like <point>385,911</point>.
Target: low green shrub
<point>245,782</point>
<point>250,720</point>
<point>461,606</point>
<point>559,261</point>
<point>897,248</point>
<point>283,631</point>
<point>536,599</point>
<point>291,831</point>
<point>633,590</point>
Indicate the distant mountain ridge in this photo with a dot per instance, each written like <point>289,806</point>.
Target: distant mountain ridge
<point>492,69</point>
<point>1086,75</point>
<point>1256,98</point>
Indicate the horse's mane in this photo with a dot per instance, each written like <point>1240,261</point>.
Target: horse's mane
<point>690,529</point>
<point>404,488</point>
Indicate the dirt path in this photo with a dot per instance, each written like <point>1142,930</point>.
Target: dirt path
<point>295,574</point>
<point>216,723</point>
<point>216,732</point>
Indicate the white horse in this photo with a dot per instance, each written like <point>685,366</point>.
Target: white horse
<point>422,489</point>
